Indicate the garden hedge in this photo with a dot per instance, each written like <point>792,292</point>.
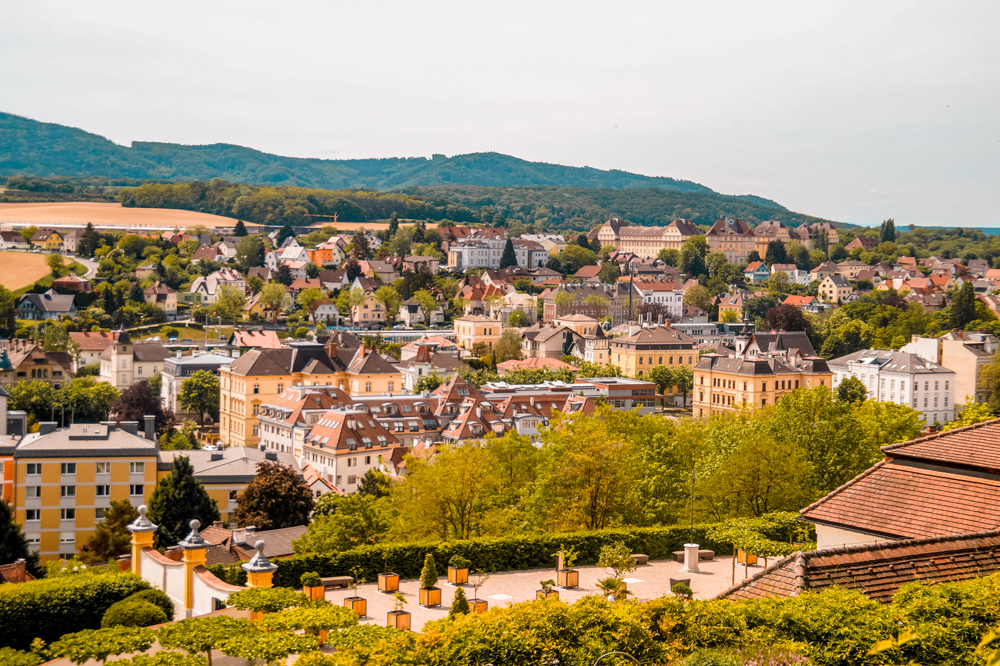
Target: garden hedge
<point>489,553</point>
<point>51,607</point>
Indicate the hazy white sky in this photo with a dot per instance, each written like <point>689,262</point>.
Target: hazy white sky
<point>854,111</point>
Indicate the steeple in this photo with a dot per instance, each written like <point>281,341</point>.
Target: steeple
<point>122,336</point>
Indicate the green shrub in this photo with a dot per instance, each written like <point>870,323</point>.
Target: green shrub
<point>429,574</point>
<point>133,614</point>
<point>459,605</point>
<point>267,599</point>
<point>156,597</point>
<point>47,609</point>
<point>682,590</point>
<point>711,658</point>
<point>310,579</point>
<point>12,657</point>
<point>459,562</point>
<point>234,575</point>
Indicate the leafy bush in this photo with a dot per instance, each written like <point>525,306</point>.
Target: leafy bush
<point>682,590</point>
<point>47,609</point>
<point>267,599</point>
<point>429,574</point>
<point>133,614</point>
<point>459,562</point>
<point>711,658</point>
<point>310,579</point>
<point>12,657</point>
<point>234,575</point>
<point>156,597</point>
<point>459,605</point>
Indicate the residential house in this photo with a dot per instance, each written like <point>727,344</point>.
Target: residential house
<point>479,248</point>
<point>732,237</point>
<point>851,268</point>
<point>767,232</point>
<point>371,313</point>
<point>415,263</point>
<point>261,272</point>
<point>329,253</point>
<point>547,340</point>
<point>552,243</point>
<point>205,289</point>
<point>323,310</point>
<point>588,274</point>
<point>938,485</point>
<point>49,305</point>
<point>795,275</point>
<point>651,347</point>
<point>72,283</point>
<point>48,240</point>
<point>824,269</point>
<point>162,297</point>
<point>968,354</point>
<point>256,310</point>
<point>668,294</point>
<point>801,302</point>
<point>757,273</point>
<point>428,361</point>
<point>298,284</point>
<point>862,243</point>
<point>733,303</point>
<point>473,329</point>
<point>28,361</point>
<point>125,363</point>
<point>903,378</point>
<point>539,275</point>
<point>245,339</point>
<point>90,345</point>
<point>209,253</point>
<point>835,289</point>
<point>13,240</point>
<point>529,253</point>
<point>228,246</point>
<point>411,312</point>
<point>441,344</point>
<point>286,420</point>
<point>177,369</point>
<point>332,280</point>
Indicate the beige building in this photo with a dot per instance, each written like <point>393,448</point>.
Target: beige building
<point>125,363</point>
<point>162,297</point>
<point>767,232</point>
<point>473,329</point>
<point>733,238</point>
<point>835,289</point>
<point>645,242</point>
<point>967,354</point>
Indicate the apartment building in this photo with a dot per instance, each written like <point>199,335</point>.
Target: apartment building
<point>27,361</point>
<point>769,231</point>
<point>615,301</point>
<point>903,378</point>
<point>733,238</point>
<point>668,294</point>
<point>967,353</point>
<point>835,289</point>
<point>91,345</point>
<point>64,479</point>
<point>180,368</point>
<point>125,363</point>
<point>473,329</point>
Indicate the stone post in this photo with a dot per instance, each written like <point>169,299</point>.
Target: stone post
<point>690,558</point>
<point>259,572</point>
<point>194,547</point>
<point>142,536</point>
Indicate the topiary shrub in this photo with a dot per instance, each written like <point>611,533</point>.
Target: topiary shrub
<point>459,605</point>
<point>156,597</point>
<point>310,579</point>
<point>682,590</point>
<point>459,562</point>
<point>133,614</point>
<point>429,574</point>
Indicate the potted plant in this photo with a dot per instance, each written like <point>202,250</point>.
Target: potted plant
<point>476,604</point>
<point>357,604</point>
<point>567,577</point>
<point>399,618</point>
<point>746,559</point>
<point>548,590</point>
<point>387,580</point>
<point>312,585</point>
<point>458,570</point>
<point>430,593</point>
<point>613,587</point>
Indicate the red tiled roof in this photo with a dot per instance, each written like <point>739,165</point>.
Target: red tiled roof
<point>534,362</point>
<point>798,301</point>
<point>876,570</point>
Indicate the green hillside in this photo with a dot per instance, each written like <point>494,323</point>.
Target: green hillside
<point>29,147</point>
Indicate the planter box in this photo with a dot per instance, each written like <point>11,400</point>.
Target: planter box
<point>314,592</point>
<point>430,597</point>
<point>388,582</point>
<point>458,576</point>
<point>398,620</point>
<point>568,579</point>
<point>541,594</point>
<point>358,605</point>
<point>746,558</point>
<point>478,605</point>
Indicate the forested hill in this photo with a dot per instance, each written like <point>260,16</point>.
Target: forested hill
<point>29,147</point>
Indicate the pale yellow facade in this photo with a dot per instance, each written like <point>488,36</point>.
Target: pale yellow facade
<point>475,329</point>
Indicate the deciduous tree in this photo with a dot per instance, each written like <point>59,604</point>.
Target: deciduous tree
<point>138,401</point>
<point>200,394</point>
<point>276,498</point>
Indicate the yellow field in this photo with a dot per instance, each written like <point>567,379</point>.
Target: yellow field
<point>110,214</point>
<point>19,269</point>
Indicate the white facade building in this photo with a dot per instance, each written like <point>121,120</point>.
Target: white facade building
<point>902,378</point>
<point>668,294</point>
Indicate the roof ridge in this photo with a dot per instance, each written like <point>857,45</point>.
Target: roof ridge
<point>938,435</point>
<point>838,490</point>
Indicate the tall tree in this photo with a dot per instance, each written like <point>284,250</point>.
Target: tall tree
<point>284,234</point>
<point>229,303</point>
<point>54,261</point>
<point>887,231</point>
<point>178,499</point>
<point>509,257</point>
<point>852,389</point>
<point>240,229</point>
<point>8,323</point>
<point>110,538</point>
<point>427,303</point>
<point>276,498</point>
<point>389,298</point>
<point>88,241</point>
<point>272,295</point>
<point>353,269</point>
<point>137,401</point>
<point>250,252</point>
<point>786,318</point>
<point>284,275</point>
<point>13,543</point>
<point>200,394</point>
<point>775,253</point>
<point>393,224</point>
<point>963,308</point>
<point>362,248</point>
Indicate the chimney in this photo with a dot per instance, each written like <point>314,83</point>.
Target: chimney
<point>659,319</point>
<point>131,427</point>
<point>215,457</point>
<point>149,427</point>
<point>271,455</point>
<point>46,427</point>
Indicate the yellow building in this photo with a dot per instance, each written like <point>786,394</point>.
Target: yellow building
<point>835,289</point>
<point>473,329</point>
<point>723,383</point>
<point>261,375</point>
<point>733,303</point>
<point>47,239</point>
<point>733,238</point>
<point>65,478</point>
<point>651,347</point>
<point>767,232</point>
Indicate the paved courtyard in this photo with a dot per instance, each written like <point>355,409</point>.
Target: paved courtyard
<point>646,582</point>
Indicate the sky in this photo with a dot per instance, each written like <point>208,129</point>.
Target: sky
<point>851,111</point>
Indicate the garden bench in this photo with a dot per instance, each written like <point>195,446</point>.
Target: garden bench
<point>337,581</point>
<point>640,559</point>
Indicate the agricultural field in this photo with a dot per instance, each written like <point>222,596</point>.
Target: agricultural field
<point>106,214</point>
<point>22,269</point>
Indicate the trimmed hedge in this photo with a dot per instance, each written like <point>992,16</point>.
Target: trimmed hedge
<point>158,598</point>
<point>127,613</point>
<point>51,607</point>
<point>491,553</point>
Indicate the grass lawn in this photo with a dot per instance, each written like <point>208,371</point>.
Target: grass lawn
<point>185,333</point>
<point>46,281</point>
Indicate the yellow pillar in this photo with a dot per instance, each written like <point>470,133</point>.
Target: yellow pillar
<point>259,570</point>
<point>194,547</point>
<point>142,536</point>
<point>259,578</point>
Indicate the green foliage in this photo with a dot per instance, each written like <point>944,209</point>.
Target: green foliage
<point>972,414</point>
<point>852,389</point>
<point>12,657</point>
<point>49,608</point>
<point>110,538</point>
<point>99,644</point>
<point>459,562</point>
<point>429,574</point>
<point>710,657</point>
<point>509,257</point>
<point>459,604</point>
<point>163,659</point>
<point>269,647</point>
<point>267,599</point>
<point>156,597</point>
<point>201,634</point>
<point>682,590</point>
<point>323,617</point>
<point>276,498</point>
<point>344,522</point>
<point>13,543</point>
<point>178,499</point>
<point>133,614</point>
<point>617,558</point>
<point>310,579</point>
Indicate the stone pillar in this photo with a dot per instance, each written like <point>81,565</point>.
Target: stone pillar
<point>194,547</point>
<point>259,572</point>
<point>142,536</point>
<point>690,558</point>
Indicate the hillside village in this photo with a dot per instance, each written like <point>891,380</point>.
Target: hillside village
<point>302,393</point>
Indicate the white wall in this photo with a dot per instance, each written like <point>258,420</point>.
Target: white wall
<point>834,537</point>
<point>167,576</point>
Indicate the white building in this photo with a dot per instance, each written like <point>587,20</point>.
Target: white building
<point>125,363</point>
<point>179,368</point>
<point>902,378</point>
<point>669,294</point>
<point>795,276</point>
<point>206,289</point>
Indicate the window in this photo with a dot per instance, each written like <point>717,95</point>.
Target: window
<point>34,541</point>
<point>368,387</point>
<point>68,491</point>
<point>34,468</point>
<point>351,479</point>
<point>256,409</point>
<point>103,491</point>
<point>936,384</point>
<point>256,430</point>
<point>368,460</point>
<point>946,386</point>
<point>640,360</point>
<point>98,515</point>
<point>763,387</point>
<point>33,492</point>
<point>256,388</point>
<point>68,468</point>
<point>33,514</point>
<point>392,385</point>
<point>135,489</point>
<point>137,468</point>
<point>103,468</point>
<point>281,387</point>
<point>67,537</point>
<point>67,514</point>
<point>233,494</point>
<point>140,369</point>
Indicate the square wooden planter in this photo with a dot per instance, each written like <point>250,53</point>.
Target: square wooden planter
<point>479,605</point>
<point>568,579</point>
<point>541,594</point>
<point>357,604</point>
<point>746,558</point>
<point>398,620</point>
<point>388,582</point>
<point>458,576</point>
<point>314,592</point>
<point>430,597</point>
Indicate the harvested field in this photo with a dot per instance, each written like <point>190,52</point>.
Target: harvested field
<point>106,214</point>
<point>20,269</point>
